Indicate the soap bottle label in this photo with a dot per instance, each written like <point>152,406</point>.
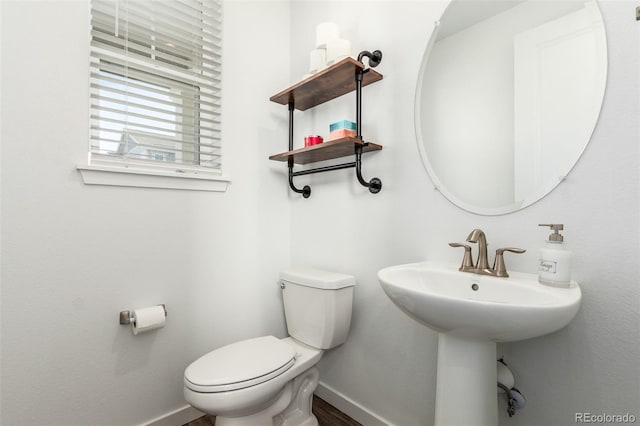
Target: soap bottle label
<point>547,266</point>
<point>554,267</point>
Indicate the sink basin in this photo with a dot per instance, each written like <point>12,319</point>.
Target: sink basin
<point>472,312</point>
<point>499,309</point>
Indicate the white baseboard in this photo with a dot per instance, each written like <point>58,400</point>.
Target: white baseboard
<point>343,403</point>
<point>176,418</point>
<point>349,407</point>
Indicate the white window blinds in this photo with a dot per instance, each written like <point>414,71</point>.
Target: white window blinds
<point>155,82</point>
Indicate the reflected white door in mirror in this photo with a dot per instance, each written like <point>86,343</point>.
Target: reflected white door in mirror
<point>507,98</point>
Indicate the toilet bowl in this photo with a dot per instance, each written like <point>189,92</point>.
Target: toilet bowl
<point>235,393</point>
<point>270,381</point>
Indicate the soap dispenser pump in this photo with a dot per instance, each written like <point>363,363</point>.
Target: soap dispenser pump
<point>554,266</point>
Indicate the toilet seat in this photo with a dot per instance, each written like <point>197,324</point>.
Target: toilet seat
<point>240,365</point>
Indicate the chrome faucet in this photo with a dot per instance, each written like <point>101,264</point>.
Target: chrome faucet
<point>481,265</point>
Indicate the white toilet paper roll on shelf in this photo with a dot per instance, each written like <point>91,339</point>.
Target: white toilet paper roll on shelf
<point>317,60</point>
<point>147,319</point>
<point>325,32</point>
<point>337,50</point>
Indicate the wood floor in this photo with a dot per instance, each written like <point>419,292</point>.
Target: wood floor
<point>326,414</point>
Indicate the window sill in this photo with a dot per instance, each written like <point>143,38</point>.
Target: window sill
<point>126,175</point>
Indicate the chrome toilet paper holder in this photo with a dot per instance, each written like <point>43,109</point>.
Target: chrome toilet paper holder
<point>126,317</point>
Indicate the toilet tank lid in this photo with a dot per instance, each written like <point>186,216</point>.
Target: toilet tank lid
<point>316,278</point>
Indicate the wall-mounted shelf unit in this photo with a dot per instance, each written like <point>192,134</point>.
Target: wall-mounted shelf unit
<point>339,79</point>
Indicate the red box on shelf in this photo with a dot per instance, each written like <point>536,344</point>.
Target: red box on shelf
<point>312,140</point>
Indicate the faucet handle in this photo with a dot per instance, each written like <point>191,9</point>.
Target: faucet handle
<point>467,261</point>
<point>499,268</point>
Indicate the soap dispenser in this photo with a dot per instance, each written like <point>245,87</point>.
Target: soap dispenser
<point>554,266</point>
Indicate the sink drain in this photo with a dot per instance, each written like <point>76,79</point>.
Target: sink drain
<point>475,287</point>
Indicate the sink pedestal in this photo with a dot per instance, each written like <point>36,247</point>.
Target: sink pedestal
<point>466,390</point>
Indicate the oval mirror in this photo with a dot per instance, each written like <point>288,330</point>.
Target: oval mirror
<point>508,95</point>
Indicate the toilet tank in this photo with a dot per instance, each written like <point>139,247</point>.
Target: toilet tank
<point>317,306</point>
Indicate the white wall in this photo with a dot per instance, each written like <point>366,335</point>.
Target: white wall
<point>388,363</point>
<point>73,256</point>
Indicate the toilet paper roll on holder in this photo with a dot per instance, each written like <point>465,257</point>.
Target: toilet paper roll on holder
<point>126,317</point>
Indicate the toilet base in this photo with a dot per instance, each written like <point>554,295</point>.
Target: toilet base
<point>298,413</point>
<point>291,407</point>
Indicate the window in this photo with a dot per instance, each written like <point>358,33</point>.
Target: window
<point>155,77</point>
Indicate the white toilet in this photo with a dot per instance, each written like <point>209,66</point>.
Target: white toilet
<point>269,381</point>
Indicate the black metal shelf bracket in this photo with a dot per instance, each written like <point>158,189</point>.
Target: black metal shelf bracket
<point>306,190</point>
<point>375,184</point>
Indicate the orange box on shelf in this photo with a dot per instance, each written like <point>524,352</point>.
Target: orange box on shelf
<point>343,133</point>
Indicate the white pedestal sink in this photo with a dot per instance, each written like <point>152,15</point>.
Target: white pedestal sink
<point>471,313</point>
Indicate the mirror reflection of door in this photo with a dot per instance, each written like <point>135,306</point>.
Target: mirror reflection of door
<point>559,82</point>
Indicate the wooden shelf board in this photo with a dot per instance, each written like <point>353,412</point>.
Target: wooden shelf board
<point>326,151</point>
<point>328,84</point>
